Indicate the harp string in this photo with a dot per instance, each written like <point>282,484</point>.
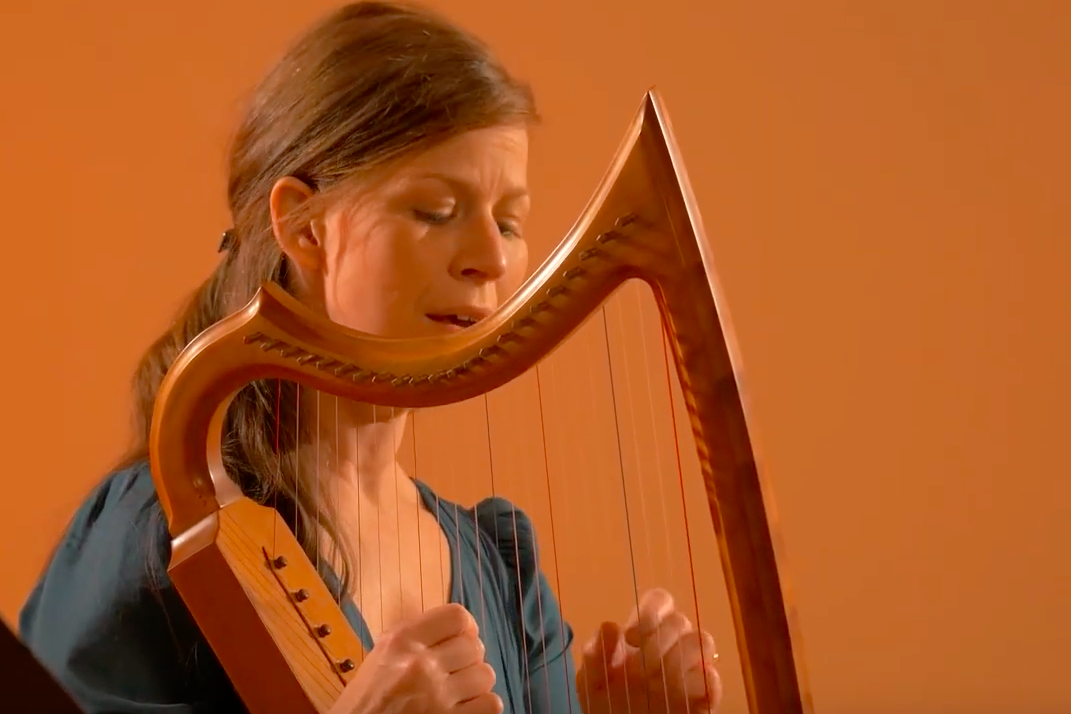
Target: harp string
<point>358,556</point>
<point>317,484</point>
<point>522,640</point>
<point>337,481</point>
<point>620,367</point>
<point>589,361</point>
<point>553,537</point>
<point>498,539</point>
<point>635,439</point>
<point>420,540</point>
<point>648,368</point>
<point>586,695</point>
<point>457,528</point>
<point>398,518</point>
<point>379,528</point>
<point>621,467</point>
<point>684,501</point>
<point>297,460</point>
<point>278,465</point>
<point>479,545</point>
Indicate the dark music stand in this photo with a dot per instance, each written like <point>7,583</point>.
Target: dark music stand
<point>26,685</point>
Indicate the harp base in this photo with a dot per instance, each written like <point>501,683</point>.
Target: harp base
<point>268,616</point>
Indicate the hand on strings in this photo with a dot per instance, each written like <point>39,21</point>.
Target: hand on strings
<point>433,664</point>
<point>658,662</point>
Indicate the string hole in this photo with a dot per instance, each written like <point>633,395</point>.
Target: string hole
<point>280,562</point>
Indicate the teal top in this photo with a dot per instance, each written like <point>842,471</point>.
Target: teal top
<point>107,622</point>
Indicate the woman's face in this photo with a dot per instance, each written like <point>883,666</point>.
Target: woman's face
<point>434,246</point>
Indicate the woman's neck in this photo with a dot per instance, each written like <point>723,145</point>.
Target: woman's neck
<point>357,451</point>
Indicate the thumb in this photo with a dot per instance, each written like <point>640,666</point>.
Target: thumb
<point>603,653</point>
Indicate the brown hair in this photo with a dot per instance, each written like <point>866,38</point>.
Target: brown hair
<point>371,83</point>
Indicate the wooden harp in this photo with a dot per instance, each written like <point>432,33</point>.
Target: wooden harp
<point>260,602</point>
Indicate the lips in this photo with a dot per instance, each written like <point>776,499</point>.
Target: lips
<point>461,317</point>
<point>459,320</point>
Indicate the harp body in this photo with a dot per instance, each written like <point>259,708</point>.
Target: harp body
<point>261,604</point>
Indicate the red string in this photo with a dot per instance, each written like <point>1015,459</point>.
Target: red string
<point>684,503</point>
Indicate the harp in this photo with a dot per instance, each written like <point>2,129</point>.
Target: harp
<point>260,602</point>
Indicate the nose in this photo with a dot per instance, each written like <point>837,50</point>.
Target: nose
<point>481,254</point>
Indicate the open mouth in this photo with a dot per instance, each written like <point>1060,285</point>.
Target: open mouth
<point>458,320</point>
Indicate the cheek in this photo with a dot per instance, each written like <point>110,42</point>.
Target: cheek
<point>374,280</point>
<point>516,270</point>
<point>358,276</point>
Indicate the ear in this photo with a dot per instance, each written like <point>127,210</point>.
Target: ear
<point>300,240</point>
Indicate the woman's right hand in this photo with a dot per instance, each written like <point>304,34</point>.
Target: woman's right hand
<point>433,664</point>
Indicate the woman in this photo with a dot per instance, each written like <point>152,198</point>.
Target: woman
<point>380,177</point>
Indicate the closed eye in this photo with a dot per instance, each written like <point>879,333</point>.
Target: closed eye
<point>435,219</point>
<point>506,228</point>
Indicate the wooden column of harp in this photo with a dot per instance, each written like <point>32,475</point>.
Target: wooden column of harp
<point>282,639</point>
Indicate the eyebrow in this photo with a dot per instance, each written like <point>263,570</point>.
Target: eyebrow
<point>513,193</point>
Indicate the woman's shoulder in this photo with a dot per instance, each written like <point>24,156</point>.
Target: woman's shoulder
<point>121,515</point>
<point>126,491</point>
<point>499,524</point>
<point>114,546</point>
<point>511,530</point>
<point>104,617</point>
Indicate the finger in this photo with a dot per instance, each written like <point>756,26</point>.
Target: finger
<point>653,607</point>
<point>442,623</point>
<point>694,650</point>
<point>459,652</point>
<point>603,653</point>
<point>489,703</point>
<point>648,659</point>
<point>709,653</point>
<point>702,686</point>
<point>469,683</point>
<point>689,666</point>
<point>669,632</point>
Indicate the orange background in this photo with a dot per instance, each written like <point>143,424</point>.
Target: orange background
<point>885,187</point>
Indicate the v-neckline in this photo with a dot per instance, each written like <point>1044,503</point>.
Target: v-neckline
<point>441,512</point>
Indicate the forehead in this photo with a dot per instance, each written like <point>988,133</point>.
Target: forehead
<point>490,159</point>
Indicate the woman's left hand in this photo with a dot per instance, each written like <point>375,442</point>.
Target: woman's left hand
<point>658,662</point>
